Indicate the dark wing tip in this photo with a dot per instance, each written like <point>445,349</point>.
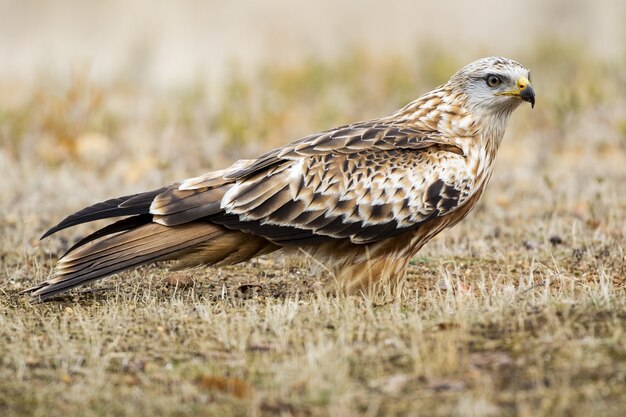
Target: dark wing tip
<point>115,207</point>
<point>33,293</point>
<point>50,231</point>
<point>34,288</point>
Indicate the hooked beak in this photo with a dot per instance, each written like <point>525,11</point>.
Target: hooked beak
<point>524,91</point>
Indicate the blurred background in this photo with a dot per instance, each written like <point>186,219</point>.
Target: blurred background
<point>169,43</point>
<point>107,98</point>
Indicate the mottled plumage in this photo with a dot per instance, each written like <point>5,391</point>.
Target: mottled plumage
<point>361,198</point>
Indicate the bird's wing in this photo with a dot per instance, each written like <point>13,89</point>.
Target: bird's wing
<point>365,182</point>
<point>365,196</point>
<point>349,139</point>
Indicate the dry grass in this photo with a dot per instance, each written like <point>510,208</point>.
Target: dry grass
<point>520,310</point>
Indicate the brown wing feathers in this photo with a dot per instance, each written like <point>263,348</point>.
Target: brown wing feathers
<point>119,226</point>
<point>365,196</point>
<point>349,183</point>
<point>174,206</point>
<point>147,243</point>
<point>345,139</point>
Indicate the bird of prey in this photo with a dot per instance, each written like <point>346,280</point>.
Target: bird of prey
<point>361,198</point>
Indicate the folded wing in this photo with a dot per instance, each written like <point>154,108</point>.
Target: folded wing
<point>363,183</point>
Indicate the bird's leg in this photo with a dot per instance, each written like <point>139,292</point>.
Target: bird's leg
<point>374,276</point>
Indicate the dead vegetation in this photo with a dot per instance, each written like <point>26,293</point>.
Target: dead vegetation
<point>520,310</point>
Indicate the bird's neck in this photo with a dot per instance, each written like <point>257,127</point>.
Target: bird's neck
<point>493,126</point>
<point>439,111</point>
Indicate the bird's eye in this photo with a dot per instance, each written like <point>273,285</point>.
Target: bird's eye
<point>493,80</point>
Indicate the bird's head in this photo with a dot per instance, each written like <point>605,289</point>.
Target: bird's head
<point>494,85</point>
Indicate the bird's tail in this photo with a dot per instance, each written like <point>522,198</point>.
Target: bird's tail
<point>192,243</point>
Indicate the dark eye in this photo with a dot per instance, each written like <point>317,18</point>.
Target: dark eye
<point>493,80</point>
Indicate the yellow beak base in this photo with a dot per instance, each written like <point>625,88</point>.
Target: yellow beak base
<point>524,91</point>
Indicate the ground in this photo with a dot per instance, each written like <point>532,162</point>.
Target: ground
<point>519,310</point>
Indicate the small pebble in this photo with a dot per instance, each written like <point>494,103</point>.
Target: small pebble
<point>556,240</point>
